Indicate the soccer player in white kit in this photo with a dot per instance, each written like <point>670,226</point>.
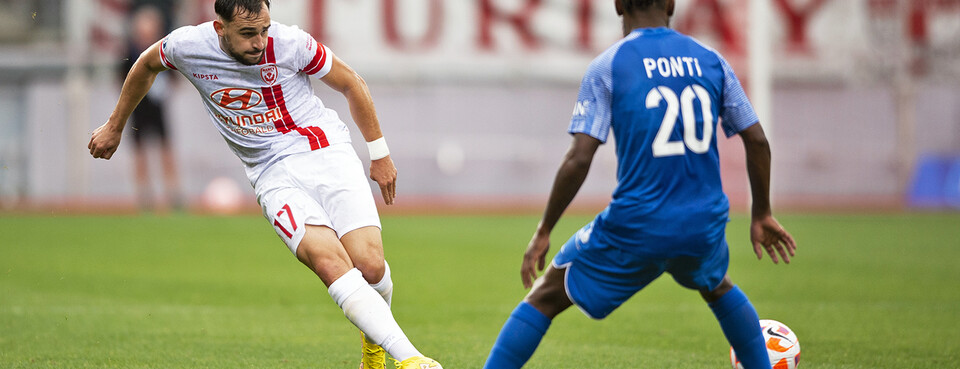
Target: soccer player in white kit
<point>254,78</point>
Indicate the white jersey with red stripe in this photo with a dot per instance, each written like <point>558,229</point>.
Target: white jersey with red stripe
<point>265,112</point>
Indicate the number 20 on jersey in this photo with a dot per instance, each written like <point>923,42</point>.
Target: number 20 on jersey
<point>683,109</point>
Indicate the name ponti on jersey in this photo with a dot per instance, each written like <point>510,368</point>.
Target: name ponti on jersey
<point>673,66</point>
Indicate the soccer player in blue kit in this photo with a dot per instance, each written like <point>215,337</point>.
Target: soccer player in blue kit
<point>662,93</point>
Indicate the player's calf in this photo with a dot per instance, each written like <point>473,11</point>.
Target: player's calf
<point>740,324</point>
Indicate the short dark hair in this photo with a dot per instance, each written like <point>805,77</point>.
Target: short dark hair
<point>226,8</point>
<point>630,6</point>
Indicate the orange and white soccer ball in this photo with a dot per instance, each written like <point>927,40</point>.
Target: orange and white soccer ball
<point>783,347</point>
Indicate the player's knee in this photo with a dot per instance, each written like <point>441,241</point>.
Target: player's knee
<point>548,294</point>
<point>328,266</point>
<point>366,252</point>
<point>548,301</point>
<point>715,294</point>
<point>369,260</point>
<point>372,267</point>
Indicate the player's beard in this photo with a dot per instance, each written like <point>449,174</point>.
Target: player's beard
<point>244,58</point>
<point>240,57</point>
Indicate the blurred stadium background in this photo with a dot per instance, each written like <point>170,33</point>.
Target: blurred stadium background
<point>860,97</point>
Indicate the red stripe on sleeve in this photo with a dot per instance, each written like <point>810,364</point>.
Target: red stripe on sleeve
<point>318,61</point>
<point>163,57</point>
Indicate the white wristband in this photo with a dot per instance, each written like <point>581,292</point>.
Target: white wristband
<point>378,149</point>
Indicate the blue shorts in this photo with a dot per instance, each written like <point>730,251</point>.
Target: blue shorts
<point>599,277</point>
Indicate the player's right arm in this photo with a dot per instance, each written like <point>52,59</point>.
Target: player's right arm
<point>106,138</point>
<point>589,126</point>
<point>766,233</point>
<point>571,175</point>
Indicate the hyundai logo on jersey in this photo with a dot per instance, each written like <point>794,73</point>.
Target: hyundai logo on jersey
<point>237,98</point>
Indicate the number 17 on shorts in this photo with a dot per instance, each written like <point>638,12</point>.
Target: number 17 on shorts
<point>288,220</point>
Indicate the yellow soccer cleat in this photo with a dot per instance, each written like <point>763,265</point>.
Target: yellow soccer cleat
<point>418,362</point>
<point>374,357</point>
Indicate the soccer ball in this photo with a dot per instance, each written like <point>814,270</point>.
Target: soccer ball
<point>222,196</point>
<point>783,347</point>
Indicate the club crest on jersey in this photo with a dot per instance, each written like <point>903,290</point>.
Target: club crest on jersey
<point>234,98</point>
<point>269,74</point>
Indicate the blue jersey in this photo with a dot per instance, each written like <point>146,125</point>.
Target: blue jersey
<point>662,94</point>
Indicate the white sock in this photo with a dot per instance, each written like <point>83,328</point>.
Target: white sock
<point>367,310</point>
<point>385,286</point>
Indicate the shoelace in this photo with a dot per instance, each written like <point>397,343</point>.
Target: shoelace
<point>375,353</point>
<point>422,365</point>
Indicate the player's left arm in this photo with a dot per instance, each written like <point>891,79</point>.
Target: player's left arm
<point>345,80</point>
<point>570,177</point>
<point>738,117</point>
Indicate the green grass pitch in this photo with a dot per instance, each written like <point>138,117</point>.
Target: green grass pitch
<point>865,291</point>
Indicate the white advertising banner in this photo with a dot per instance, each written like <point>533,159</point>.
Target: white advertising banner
<point>507,40</point>
<point>553,40</point>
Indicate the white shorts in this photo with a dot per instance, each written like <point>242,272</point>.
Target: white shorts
<point>326,187</point>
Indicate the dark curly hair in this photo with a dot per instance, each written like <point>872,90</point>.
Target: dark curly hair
<point>226,8</point>
<point>630,6</point>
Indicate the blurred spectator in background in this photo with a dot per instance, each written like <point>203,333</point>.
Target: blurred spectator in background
<point>148,23</point>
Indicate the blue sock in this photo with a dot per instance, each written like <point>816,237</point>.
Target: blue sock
<point>740,324</point>
<point>518,338</point>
